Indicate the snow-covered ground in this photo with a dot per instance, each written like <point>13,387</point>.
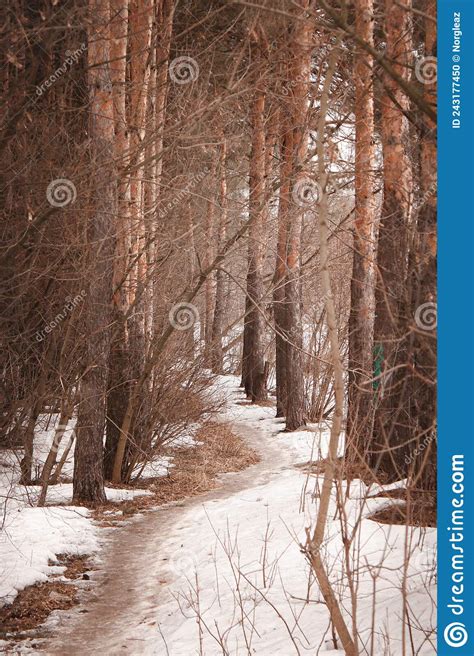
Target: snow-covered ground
<point>245,587</point>
<point>31,537</point>
<point>224,574</point>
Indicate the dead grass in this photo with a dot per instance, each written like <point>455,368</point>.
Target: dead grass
<point>344,470</point>
<point>32,606</point>
<point>195,471</point>
<point>418,509</point>
<point>76,566</point>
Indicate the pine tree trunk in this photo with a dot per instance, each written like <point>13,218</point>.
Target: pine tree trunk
<point>118,388</point>
<point>141,13</point>
<point>361,318</point>
<point>88,485</point>
<point>217,358</point>
<point>300,77</point>
<point>209,286</point>
<point>390,350</point>
<point>254,327</point>
<point>279,279</point>
<point>422,459</point>
<point>165,14</point>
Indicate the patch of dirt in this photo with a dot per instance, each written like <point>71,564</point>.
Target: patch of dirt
<point>418,509</point>
<point>31,606</point>
<point>195,472</point>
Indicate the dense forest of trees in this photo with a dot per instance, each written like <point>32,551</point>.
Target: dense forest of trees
<point>193,188</point>
<point>204,187</point>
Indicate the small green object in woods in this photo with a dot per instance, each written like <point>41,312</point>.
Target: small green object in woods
<point>378,365</point>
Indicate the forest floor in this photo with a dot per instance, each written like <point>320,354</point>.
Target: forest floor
<point>223,572</point>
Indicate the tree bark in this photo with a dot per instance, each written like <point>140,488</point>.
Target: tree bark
<point>422,457</point>
<point>300,78</point>
<point>217,355</point>
<point>391,290</point>
<point>254,328</point>
<point>119,356</point>
<point>88,485</point>
<point>361,318</point>
<point>209,287</point>
<point>279,279</point>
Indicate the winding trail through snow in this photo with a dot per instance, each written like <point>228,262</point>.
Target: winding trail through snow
<point>223,574</point>
<point>128,589</point>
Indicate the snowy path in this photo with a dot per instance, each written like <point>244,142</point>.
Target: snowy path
<point>136,562</point>
<point>223,573</point>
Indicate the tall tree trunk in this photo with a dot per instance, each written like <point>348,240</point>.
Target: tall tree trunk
<point>254,326</point>
<point>88,483</point>
<point>361,318</point>
<point>141,14</point>
<point>391,289</point>
<point>165,14</point>
<point>279,279</point>
<point>422,459</point>
<point>209,287</point>
<point>300,78</point>
<point>118,362</point>
<point>217,359</point>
